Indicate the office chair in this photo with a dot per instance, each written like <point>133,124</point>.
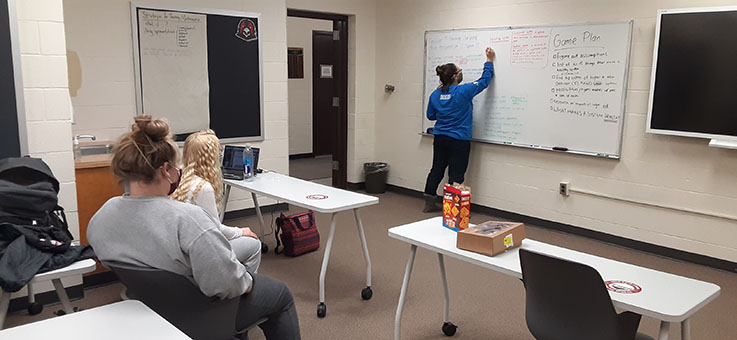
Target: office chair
<point>180,302</point>
<point>568,301</point>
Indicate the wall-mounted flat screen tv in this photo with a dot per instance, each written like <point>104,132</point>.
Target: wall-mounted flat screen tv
<point>693,89</point>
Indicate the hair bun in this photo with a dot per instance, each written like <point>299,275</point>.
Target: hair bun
<point>155,129</point>
<point>439,70</point>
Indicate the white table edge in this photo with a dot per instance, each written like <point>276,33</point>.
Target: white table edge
<point>618,304</point>
<point>87,265</point>
<point>374,200</point>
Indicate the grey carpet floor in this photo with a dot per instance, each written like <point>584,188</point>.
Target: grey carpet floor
<point>484,304</point>
<point>311,168</point>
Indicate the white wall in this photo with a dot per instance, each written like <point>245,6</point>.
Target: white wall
<point>299,34</point>
<point>46,97</point>
<point>99,32</point>
<point>362,20</point>
<point>677,171</point>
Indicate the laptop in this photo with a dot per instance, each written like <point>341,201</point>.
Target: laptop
<point>256,154</point>
<point>233,162</point>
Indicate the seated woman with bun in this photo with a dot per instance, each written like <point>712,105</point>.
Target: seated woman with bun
<point>202,185</point>
<point>145,228</point>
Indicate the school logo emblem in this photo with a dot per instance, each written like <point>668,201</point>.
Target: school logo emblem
<point>622,287</point>
<point>246,30</point>
<point>317,197</point>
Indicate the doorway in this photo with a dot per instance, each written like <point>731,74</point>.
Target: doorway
<point>318,136</point>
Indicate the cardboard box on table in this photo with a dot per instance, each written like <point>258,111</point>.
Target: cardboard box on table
<point>492,237</point>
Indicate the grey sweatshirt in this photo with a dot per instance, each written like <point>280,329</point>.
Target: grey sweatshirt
<point>165,234</point>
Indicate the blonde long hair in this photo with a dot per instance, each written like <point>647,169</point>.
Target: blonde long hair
<point>201,157</point>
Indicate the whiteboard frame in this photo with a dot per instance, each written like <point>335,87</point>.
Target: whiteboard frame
<point>20,106</point>
<point>654,70</point>
<point>540,147</point>
<point>134,6</point>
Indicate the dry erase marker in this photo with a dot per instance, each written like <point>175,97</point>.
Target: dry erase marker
<point>560,148</point>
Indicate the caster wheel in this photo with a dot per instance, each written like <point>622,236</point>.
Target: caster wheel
<point>35,308</point>
<point>449,329</point>
<point>60,312</point>
<point>321,310</point>
<point>264,248</point>
<point>367,293</point>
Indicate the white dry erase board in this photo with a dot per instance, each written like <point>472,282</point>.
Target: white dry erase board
<point>200,69</point>
<point>554,87</point>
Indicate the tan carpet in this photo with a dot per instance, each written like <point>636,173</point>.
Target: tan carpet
<point>311,168</point>
<point>484,304</point>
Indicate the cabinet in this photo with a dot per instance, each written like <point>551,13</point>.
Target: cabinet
<point>95,185</point>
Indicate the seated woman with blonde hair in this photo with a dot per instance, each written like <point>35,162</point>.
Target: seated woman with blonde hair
<point>202,185</point>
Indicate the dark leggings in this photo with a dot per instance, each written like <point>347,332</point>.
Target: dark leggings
<point>269,298</point>
<point>451,153</point>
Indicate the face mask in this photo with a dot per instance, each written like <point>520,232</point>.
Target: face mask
<point>173,185</point>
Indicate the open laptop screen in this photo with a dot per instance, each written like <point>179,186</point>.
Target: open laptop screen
<point>233,157</point>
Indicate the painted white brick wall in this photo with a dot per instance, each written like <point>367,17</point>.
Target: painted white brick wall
<point>47,104</point>
<point>677,171</point>
<point>105,104</point>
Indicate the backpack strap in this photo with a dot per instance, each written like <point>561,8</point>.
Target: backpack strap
<point>298,223</point>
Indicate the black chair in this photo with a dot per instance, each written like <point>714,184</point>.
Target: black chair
<point>180,302</point>
<point>568,301</point>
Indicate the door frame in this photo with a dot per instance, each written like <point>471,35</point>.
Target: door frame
<point>340,24</point>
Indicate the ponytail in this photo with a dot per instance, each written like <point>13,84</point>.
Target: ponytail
<point>446,73</point>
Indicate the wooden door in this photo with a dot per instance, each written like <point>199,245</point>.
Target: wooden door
<point>324,113</point>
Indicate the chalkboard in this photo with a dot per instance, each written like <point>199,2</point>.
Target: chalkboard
<point>200,69</point>
<point>554,87</point>
<point>10,137</point>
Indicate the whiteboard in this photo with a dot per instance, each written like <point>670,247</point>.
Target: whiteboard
<point>200,68</point>
<point>556,88</point>
<point>174,70</point>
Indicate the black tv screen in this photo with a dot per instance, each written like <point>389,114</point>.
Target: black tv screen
<point>694,92</point>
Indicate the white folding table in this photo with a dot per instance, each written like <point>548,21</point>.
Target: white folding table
<point>55,276</point>
<point>123,320</point>
<point>666,297</point>
<point>314,196</point>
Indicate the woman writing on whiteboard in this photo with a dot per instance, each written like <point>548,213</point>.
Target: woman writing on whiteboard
<point>452,107</point>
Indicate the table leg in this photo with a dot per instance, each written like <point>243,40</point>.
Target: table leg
<point>449,328</point>
<point>226,195</point>
<point>686,329</point>
<point>366,293</point>
<point>264,247</point>
<point>403,293</point>
<point>4,304</point>
<point>664,328</point>
<point>321,308</point>
<point>62,293</point>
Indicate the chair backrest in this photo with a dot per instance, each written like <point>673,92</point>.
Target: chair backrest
<point>566,300</point>
<point>179,301</point>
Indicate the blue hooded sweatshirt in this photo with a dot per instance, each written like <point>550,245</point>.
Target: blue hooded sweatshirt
<point>453,110</point>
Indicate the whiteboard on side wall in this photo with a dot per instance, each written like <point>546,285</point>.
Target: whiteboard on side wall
<point>554,87</point>
<point>200,69</point>
<point>173,60</point>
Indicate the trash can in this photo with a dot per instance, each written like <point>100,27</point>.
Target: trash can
<point>376,173</point>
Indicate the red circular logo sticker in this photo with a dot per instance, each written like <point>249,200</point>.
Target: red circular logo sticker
<point>622,287</point>
<point>317,197</point>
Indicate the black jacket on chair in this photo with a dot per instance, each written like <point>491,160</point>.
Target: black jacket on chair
<point>34,235</point>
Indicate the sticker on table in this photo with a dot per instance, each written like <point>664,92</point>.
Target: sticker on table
<point>622,287</point>
<point>317,197</point>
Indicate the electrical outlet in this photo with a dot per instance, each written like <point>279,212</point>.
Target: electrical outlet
<point>564,188</point>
